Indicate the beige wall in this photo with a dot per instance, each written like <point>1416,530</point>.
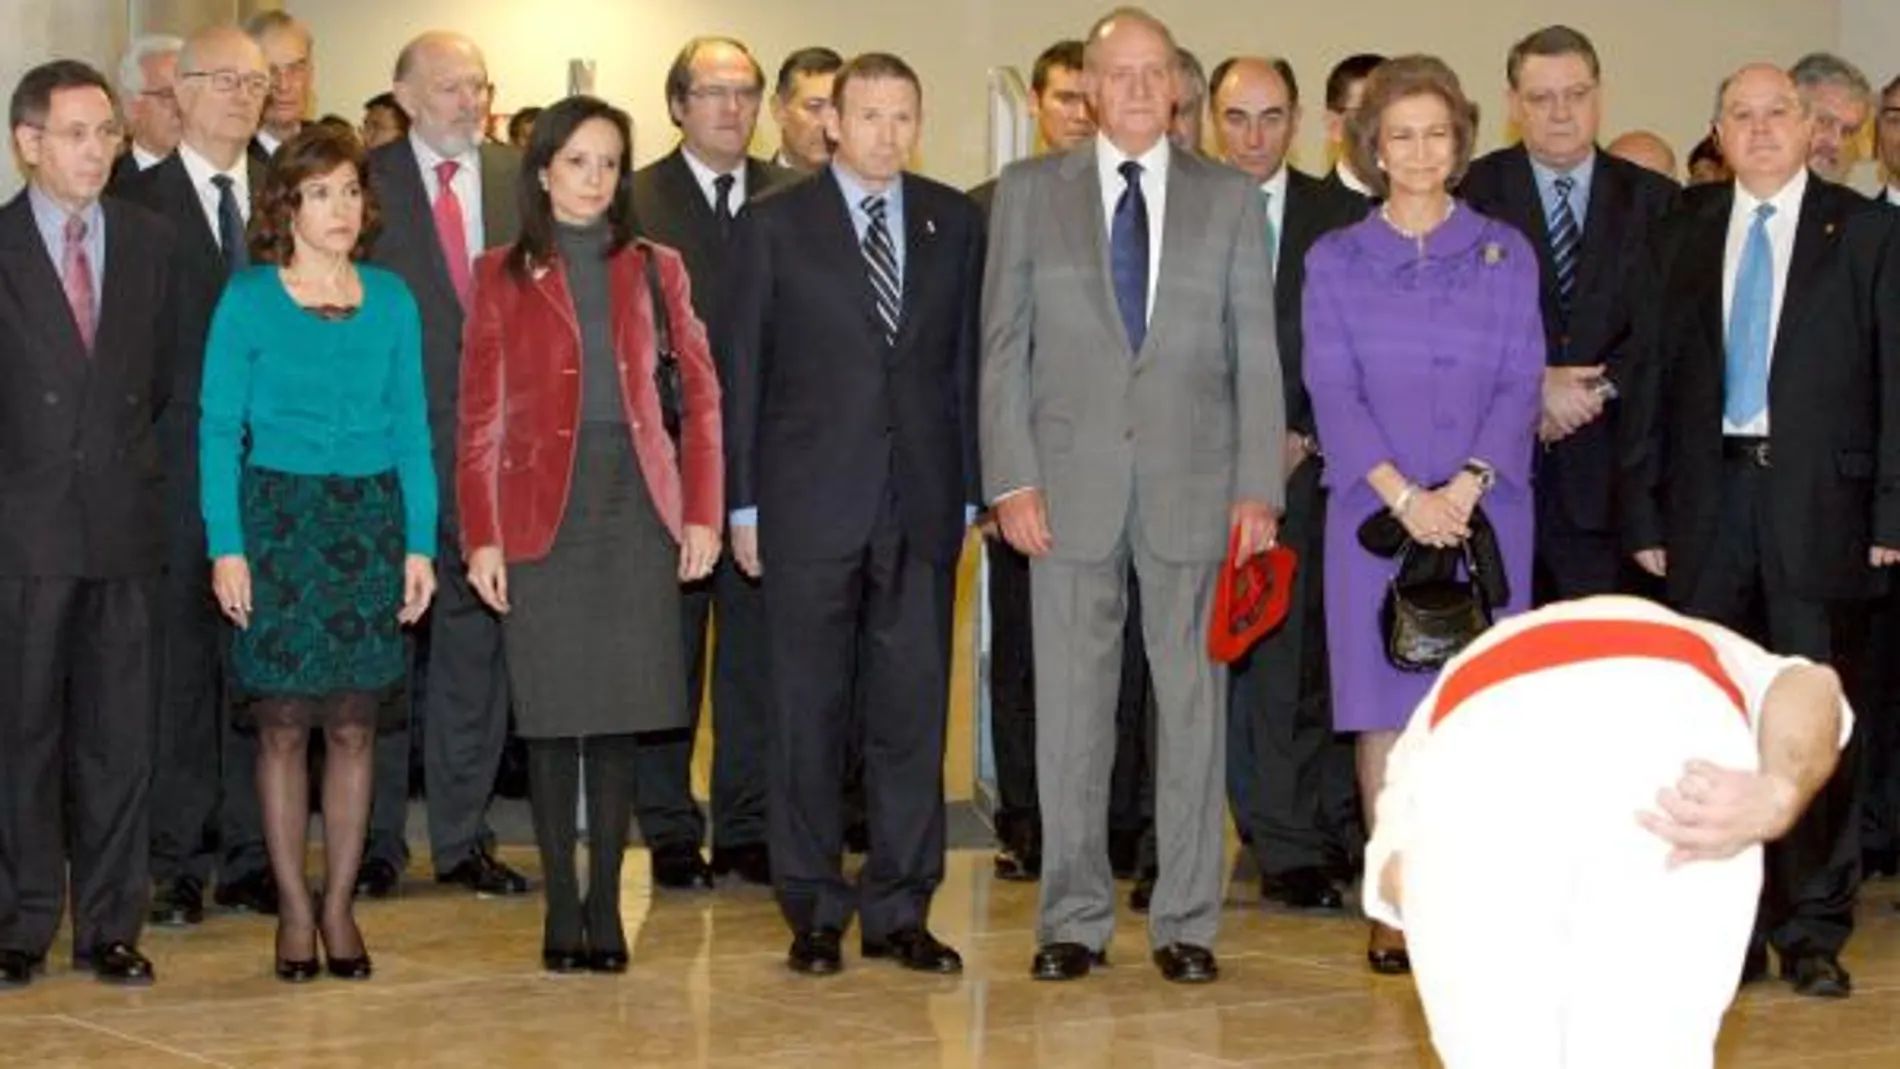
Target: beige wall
<point>1663,56</point>
<point>34,31</point>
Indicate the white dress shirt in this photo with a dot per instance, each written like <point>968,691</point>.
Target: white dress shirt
<point>706,176</point>
<point>201,171</point>
<point>1154,190</point>
<point>1892,195</point>
<point>467,184</point>
<point>1274,189</point>
<point>142,159</point>
<point>1350,180</point>
<point>1781,227</point>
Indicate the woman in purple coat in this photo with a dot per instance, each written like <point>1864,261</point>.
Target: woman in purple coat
<point>1425,361</point>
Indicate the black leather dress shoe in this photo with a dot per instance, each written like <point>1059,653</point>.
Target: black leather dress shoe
<point>378,878</point>
<point>1017,868</point>
<point>915,949</point>
<point>16,968</point>
<point>1877,863</point>
<point>857,838</point>
<point>1124,854</point>
<point>817,952</point>
<point>252,893</point>
<point>121,964</point>
<point>680,868</point>
<point>1143,892</point>
<point>607,961</point>
<point>752,862</point>
<point>1185,963</point>
<point>179,903</point>
<point>1816,975</point>
<point>563,961</point>
<point>1303,891</point>
<point>1065,961</point>
<point>484,874</point>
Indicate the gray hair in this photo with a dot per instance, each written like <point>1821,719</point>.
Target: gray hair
<point>277,20</point>
<point>1826,68</point>
<point>132,66</point>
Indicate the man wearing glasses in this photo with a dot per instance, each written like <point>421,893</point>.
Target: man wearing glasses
<point>446,196</point>
<point>287,46</point>
<point>146,77</point>
<point>687,200</point>
<point>204,190</point>
<point>1841,101</point>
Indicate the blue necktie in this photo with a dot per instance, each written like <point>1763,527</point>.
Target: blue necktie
<point>1128,255</point>
<point>230,226</point>
<point>1566,240</point>
<point>1748,324</point>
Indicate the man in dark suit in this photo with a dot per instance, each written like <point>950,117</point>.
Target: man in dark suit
<point>204,795</point>
<point>83,332</point>
<point>851,337</point>
<point>1345,88</point>
<point>147,77</point>
<point>446,196</point>
<point>1290,780</point>
<point>288,50</point>
<point>1587,214</point>
<point>688,200</point>
<point>1761,449</point>
<point>1880,710</point>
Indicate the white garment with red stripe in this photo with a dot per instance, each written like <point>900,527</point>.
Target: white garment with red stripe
<point>1545,931</point>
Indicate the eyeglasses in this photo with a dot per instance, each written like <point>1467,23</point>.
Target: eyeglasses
<point>226,80</point>
<point>726,94</point>
<point>1546,99</point>
<point>77,135</point>
<point>165,95</point>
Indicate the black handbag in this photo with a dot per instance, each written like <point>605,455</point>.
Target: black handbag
<point>666,365</point>
<point>1426,621</point>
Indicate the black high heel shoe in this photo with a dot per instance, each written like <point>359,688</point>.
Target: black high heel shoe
<point>352,968</point>
<point>297,970</point>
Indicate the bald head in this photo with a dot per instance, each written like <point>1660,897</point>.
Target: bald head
<point>441,82</point>
<point>1645,149</point>
<point>1764,128</point>
<point>222,83</point>
<point>1131,69</point>
<point>1256,114</point>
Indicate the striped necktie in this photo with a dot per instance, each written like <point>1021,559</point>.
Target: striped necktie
<point>1566,241</point>
<point>880,257</point>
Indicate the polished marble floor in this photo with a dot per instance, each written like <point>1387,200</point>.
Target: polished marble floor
<point>458,984</point>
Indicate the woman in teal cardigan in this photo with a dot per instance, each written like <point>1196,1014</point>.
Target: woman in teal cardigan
<point>319,500</point>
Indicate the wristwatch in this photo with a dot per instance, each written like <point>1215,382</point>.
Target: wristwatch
<point>1486,475</point>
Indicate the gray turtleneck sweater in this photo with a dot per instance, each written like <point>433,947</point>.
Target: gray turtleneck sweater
<point>583,250</point>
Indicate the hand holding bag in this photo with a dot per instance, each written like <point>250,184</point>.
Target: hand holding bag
<point>1426,621</point>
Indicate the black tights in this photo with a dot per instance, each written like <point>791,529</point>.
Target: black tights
<point>283,791</point>
<point>554,773</point>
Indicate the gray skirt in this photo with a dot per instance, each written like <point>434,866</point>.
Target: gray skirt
<point>593,632</point>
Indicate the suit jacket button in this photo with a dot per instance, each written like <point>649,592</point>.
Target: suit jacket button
<point>52,398</point>
<point>636,426</point>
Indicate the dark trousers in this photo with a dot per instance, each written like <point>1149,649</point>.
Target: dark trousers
<point>203,789</point>
<point>742,726</point>
<point>878,621</point>
<point>1012,682</point>
<point>76,727</point>
<point>1290,779</point>
<point>1877,711</point>
<point>1570,560</point>
<point>466,713</point>
<point>1813,873</point>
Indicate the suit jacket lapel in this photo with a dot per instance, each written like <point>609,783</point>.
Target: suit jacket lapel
<point>1079,207</point>
<point>1706,248</point>
<point>1608,206</point>
<point>550,286</point>
<point>411,196</point>
<point>1297,220</point>
<point>114,298</point>
<point>1524,204</point>
<point>1815,235</point>
<point>836,240</point>
<point>1183,231</point>
<point>922,255</point>
<point>29,269</point>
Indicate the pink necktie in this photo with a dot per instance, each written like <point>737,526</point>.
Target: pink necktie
<point>449,228</point>
<point>78,281</point>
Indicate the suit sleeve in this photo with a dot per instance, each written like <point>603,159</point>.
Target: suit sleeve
<point>1007,445</point>
<point>1508,430</point>
<point>1354,442</point>
<point>409,428</point>
<point>224,404</point>
<point>969,356</point>
<point>747,305</point>
<point>1253,338</point>
<point>479,423</point>
<point>1886,298</point>
<point>702,443</point>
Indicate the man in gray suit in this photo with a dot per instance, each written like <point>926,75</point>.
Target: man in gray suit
<point>1131,415</point>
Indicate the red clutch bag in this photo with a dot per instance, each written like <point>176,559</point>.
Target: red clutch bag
<point>1250,599</point>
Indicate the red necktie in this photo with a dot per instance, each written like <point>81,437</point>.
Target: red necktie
<point>449,228</point>
<point>78,280</point>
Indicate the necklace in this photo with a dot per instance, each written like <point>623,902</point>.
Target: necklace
<point>1415,236</point>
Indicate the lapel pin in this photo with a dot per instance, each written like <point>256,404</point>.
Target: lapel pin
<point>930,227</point>
<point>1493,253</point>
<point>1828,229</point>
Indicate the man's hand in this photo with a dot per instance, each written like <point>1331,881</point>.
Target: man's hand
<point>1298,451</point>
<point>1714,813</point>
<point>1024,518</point>
<point>1392,880</point>
<point>1258,526</point>
<point>1882,557</point>
<point>1653,561</point>
<point>745,549</point>
<point>1571,400</point>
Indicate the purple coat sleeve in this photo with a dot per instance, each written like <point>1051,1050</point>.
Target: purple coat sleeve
<point>1508,429</point>
<point>1352,438</point>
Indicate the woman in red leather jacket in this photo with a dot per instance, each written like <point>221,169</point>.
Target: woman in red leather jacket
<point>580,514</point>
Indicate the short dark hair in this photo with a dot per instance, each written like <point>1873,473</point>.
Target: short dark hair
<point>869,65</point>
<point>1891,87</point>
<point>805,63</point>
<point>522,121</point>
<point>33,96</point>
<point>1191,76</point>
<point>1347,73</point>
<point>553,128</point>
<point>679,74</point>
<point>1280,67</point>
<point>1063,55</point>
<point>1551,41</point>
<point>1398,79</point>
<point>316,151</point>
<point>1707,151</point>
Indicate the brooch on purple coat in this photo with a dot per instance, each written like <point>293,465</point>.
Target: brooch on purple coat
<point>1493,254</point>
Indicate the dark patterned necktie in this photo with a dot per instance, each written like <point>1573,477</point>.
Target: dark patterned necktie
<point>722,206</point>
<point>1566,241</point>
<point>230,225</point>
<point>1128,255</point>
<point>880,258</point>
